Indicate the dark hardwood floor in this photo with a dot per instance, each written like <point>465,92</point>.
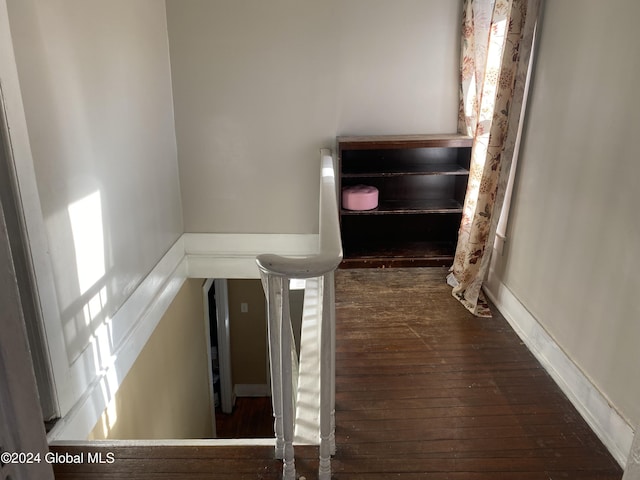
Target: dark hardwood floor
<point>424,390</point>
<point>252,417</point>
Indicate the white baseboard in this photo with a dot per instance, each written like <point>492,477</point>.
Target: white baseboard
<point>170,442</point>
<point>614,432</point>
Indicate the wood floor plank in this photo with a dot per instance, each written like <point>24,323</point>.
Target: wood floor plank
<point>437,393</point>
<point>424,391</point>
<point>252,417</point>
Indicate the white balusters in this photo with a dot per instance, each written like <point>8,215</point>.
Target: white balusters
<point>276,271</point>
<point>273,290</point>
<point>288,399</point>
<point>327,376</point>
<point>284,369</point>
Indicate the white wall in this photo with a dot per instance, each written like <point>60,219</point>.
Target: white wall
<point>96,87</point>
<point>260,86</point>
<point>572,256</point>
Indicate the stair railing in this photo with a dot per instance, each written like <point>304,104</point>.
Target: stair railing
<point>276,272</point>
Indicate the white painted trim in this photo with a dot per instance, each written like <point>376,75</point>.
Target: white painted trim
<point>230,255</point>
<point>612,429</point>
<point>252,390</point>
<point>137,319</point>
<point>170,265</point>
<point>21,426</point>
<point>202,266</point>
<point>243,244</point>
<point>218,256</point>
<point>190,442</point>
<point>20,153</point>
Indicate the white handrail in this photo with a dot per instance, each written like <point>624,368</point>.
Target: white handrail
<point>330,246</point>
<point>276,271</point>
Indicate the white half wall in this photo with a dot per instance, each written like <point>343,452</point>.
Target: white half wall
<point>192,256</point>
<point>260,86</point>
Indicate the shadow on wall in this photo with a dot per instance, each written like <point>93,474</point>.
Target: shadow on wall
<point>86,322</point>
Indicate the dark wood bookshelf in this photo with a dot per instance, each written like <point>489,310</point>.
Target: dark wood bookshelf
<point>422,181</point>
<point>400,254</point>
<point>390,207</point>
<point>409,169</point>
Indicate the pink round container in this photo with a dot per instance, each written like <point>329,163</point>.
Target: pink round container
<point>359,197</point>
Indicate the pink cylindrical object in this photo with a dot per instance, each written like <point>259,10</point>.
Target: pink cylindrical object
<point>359,197</point>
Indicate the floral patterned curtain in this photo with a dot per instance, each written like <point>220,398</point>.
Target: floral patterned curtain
<point>497,36</point>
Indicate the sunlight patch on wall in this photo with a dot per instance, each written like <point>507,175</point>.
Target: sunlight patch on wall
<point>104,360</point>
<point>88,239</point>
<point>109,418</point>
<point>85,216</point>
